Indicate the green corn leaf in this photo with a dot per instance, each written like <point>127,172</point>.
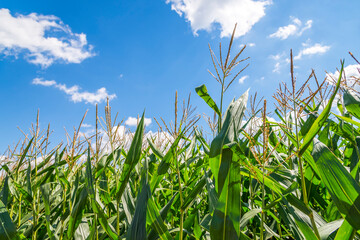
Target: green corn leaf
<point>213,197</point>
<point>21,191</point>
<point>153,218</point>
<point>191,197</point>
<point>248,216</point>
<point>202,141</point>
<point>104,161</point>
<point>5,191</point>
<point>165,164</point>
<point>345,232</point>
<point>166,161</point>
<point>21,160</point>
<point>344,190</point>
<point>95,205</point>
<point>28,180</point>
<point>352,102</point>
<point>45,192</point>
<point>306,230</point>
<point>155,150</point>
<point>188,223</point>
<point>132,158</point>
<point>43,163</point>
<point>231,125</point>
<point>319,122</point>
<point>347,119</point>
<point>225,223</point>
<point>128,204</point>
<point>138,225</point>
<point>203,93</point>
<point>83,231</point>
<point>77,213</point>
<point>104,188</point>
<point>327,229</point>
<point>163,212</point>
<point>103,220</point>
<point>7,227</point>
<point>307,125</point>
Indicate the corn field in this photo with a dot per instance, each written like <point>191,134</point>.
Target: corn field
<point>256,178</point>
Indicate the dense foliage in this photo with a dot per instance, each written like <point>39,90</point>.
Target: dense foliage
<point>297,178</point>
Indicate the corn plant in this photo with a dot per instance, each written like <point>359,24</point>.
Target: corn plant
<point>295,178</point>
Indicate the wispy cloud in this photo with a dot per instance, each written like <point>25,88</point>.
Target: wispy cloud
<point>243,78</point>
<point>42,39</point>
<point>204,14</point>
<point>277,68</point>
<point>132,121</point>
<point>75,93</point>
<point>312,50</point>
<point>277,57</point>
<point>248,45</point>
<point>42,82</point>
<point>296,28</point>
<point>280,60</point>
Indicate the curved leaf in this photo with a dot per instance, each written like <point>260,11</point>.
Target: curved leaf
<point>203,93</point>
<point>344,190</point>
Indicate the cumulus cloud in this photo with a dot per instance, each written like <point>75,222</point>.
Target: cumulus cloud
<point>41,39</point>
<point>204,15</point>
<point>243,78</point>
<point>352,76</point>
<point>351,71</point>
<point>75,93</point>
<point>295,28</point>
<point>312,50</point>
<point>255,123</point>
<point>131,121</point>
<point>122,137</point>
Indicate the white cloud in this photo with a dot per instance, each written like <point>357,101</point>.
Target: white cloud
<point>352,76</point>
<point>248,45</point>
<point>243,78</point>
<point>312,50</point>
<point>131,121</point>
<point>280,61</point>
<point>351,71</point>
<point>88,132</point>
<point>123,138</point>
<point>255,123</point>
<point>292,29</point>
<point>86,125</point>
<point>75,93</point>
<point>41,39</point>
<point>277,56</point>
<point>204,14</point>
<point>46,83</point>
<point>276,68</point>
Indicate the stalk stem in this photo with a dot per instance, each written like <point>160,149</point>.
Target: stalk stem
<point>181,199</point>
<point>303,184</point>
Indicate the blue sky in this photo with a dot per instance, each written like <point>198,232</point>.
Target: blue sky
<point>63,57</point>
